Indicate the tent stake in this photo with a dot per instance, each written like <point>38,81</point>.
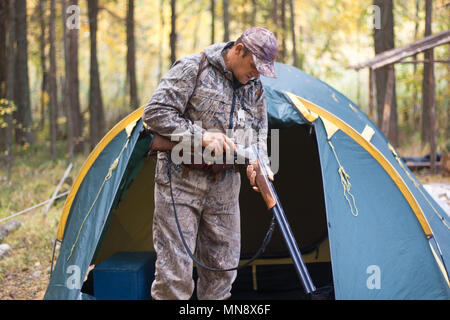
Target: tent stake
<point>49,204</point>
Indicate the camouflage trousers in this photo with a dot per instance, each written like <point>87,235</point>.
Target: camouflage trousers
<point>208,211</point>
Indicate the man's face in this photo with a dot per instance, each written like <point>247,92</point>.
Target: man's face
<point>244,68</point>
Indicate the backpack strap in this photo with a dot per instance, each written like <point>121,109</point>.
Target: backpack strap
<point>202,66</point>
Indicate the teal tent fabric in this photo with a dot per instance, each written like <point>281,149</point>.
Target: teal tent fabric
<point>378,252</point>
<point>83,230</point>
<point>384,235</point>
<point>386,229</point>
<point>280,113</point>
<point>406,254</point>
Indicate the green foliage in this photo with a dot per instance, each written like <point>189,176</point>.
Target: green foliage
<point>446,146</point>
<point>7,107</point>
<point>330,36</point>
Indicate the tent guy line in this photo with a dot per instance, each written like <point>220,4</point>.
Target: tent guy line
<point>36,206</point>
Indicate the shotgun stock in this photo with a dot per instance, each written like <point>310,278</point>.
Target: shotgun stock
<point>161,144</point>
<point>263,183</point>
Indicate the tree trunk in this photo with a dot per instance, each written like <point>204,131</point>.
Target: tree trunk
<point>42,46</point>
<point>283,52</point>
<point>161,41</point>
<point>384,40</point>
<point>213,20</point>
<point>195,33</point>
<point>131,57</point>
<point>371,76</point>
<point>425,132</point>
<point>226,20</point>
<point>385,124</point>
<point>253,13</point>
<point>416,106</point>
<point>65,84</point>
<point>294,40</point>
<point>275,17</point>
<point>67,103</point>
<point>428,92</point>
<point>10,79</point>
<point>3,8</point>
<point>52,81</point>
<point>71,91</point>
<point>23,127</point>
<point>3,16</point>
<point>96,116</point>
<point>173,32</point>
<point>74,89</point>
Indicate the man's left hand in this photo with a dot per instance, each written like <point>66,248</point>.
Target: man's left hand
<point>251,174</point>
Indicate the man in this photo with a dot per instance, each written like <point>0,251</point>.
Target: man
<point>211,95</point>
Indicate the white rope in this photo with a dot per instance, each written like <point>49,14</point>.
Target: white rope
<point>35,206</point>
<point>417,185</point>
<point>346,185</point>
<point>112,167</point>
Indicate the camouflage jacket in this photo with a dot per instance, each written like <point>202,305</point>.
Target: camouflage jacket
<point>188,101</point>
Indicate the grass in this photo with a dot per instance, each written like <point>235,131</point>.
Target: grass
<point>32,179</point>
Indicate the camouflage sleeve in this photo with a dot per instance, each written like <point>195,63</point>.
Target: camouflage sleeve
<point>163,113</point>
<point>262,126</point>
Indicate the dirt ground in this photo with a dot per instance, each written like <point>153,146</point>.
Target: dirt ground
<point>24,272</point>
<point>18,287</point>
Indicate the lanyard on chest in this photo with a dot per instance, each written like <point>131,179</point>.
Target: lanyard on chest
<point>236,85</point>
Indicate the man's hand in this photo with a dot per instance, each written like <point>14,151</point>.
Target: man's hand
<point>251,174</point>
<point>218,143</point>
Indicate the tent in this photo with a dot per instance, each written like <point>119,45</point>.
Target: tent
<point>364,223</point>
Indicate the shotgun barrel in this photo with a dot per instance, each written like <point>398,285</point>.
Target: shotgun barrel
<point>273,203</point>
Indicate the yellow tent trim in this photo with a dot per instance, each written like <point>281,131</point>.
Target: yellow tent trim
<point>369,147</point>
<point>130,119</point>
<point>330,128</point>
<point>310,116</point>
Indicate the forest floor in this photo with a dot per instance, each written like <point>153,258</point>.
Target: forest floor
<point>25,270</point>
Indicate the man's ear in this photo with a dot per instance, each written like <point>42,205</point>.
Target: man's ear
<point>239,49</point>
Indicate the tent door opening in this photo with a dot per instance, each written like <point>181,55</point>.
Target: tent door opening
<point>298,182</point>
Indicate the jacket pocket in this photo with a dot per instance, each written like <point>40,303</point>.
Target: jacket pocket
<point>209,107</point>
<point>161,174</point>
<point>202,99</point>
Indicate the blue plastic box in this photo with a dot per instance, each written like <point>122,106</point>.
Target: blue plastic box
<point>125,276</point>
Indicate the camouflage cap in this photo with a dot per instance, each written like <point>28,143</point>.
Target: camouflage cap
<point>264,47</point>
